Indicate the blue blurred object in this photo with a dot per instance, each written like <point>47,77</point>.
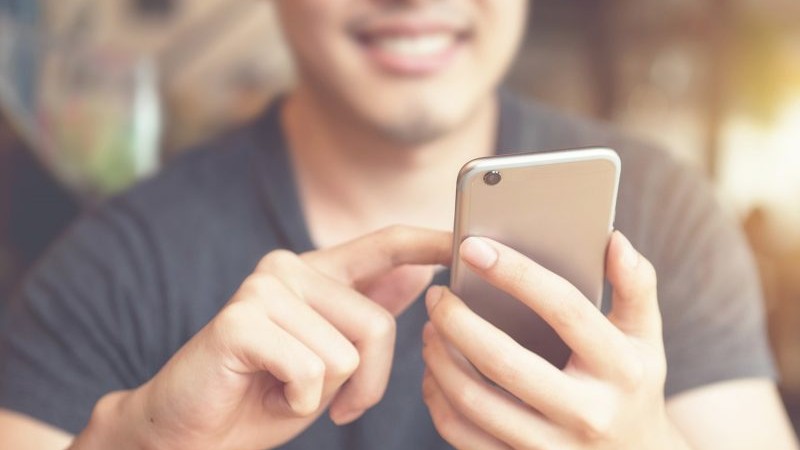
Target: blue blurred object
<point>16,14</point>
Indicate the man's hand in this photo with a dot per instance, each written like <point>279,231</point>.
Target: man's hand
<point>302,332</point>
<point>610,394</point>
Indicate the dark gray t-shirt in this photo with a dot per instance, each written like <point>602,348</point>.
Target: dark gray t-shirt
<point>133,280</point>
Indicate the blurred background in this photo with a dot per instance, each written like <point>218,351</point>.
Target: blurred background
<point>95,94</point>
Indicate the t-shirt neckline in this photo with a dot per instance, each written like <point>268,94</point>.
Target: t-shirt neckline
<point>278,186</point>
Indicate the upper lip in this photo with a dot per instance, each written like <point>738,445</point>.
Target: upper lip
<point>409,25</point>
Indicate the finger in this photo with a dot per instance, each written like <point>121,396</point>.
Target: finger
<point>368,326</point>
<point>299,319</point>
<point>500,358</point>
<point>575,319</point>
<point>256,344</point>
<point>398,288</point>
<point>373,255</point>
<point>635,302</point>
<point>496,412</point>
<point>451,425</point>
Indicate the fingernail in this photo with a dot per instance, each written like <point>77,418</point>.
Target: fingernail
<point>347,417</point>
<point>629,256</point>
<point>433,296</point>
<point>478,252</point>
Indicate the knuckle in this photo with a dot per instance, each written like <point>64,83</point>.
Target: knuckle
<point>229,332</point>
<point>519,273</point>
<point>428,390</point>
<point>566,314</point>
<point>633,374</point>
<point>311,369</point>
<point>469,400</point>
<point>505,370</point>
<point>428,333</point>
<point>277,260</point>
<point>380,325</point>
<point>397,233</point>
<point>444,314</point>
<point>595,424</point>
<point>232,318</point>
<point>397,236</point>
<point>446,423</point>
<point>344,365</point>
<point>369,398</point>
<point>427,354</point>
<point>258,285</point>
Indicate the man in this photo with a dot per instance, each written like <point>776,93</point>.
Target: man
<point>147,326</point>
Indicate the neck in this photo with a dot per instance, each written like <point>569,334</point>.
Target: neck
<point>352,181</point>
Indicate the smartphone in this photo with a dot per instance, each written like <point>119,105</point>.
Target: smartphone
<point>558,209</point>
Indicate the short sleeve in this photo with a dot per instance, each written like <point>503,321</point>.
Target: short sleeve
<point>708,286</point>
<point>77,329</point>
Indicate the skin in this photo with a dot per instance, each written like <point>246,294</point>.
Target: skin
<point>279,353</point>
<point>367,164</point>
<point>385,149</point>
<point>607,397</point>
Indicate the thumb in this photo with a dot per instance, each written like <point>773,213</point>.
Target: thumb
<point>398,288</point>
<point>635,301</point>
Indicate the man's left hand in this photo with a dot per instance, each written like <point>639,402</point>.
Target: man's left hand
<point>485,391</point>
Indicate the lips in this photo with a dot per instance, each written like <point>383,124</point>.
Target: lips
<point>412,48</point>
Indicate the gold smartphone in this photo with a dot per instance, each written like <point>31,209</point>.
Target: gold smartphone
<point>557,208</point>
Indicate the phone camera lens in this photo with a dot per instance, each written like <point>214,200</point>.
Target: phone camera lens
<point>492,178</point>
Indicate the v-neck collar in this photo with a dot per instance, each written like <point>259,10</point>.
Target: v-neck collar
<point>278,185</point>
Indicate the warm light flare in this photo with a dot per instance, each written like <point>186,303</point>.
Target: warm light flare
<point>762,167</point>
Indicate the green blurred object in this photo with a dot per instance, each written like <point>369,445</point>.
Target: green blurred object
<point>91,114</point>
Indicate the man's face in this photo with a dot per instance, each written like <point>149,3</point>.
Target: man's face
<point>408,70</point>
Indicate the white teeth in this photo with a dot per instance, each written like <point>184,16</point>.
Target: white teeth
<point>422,45</point>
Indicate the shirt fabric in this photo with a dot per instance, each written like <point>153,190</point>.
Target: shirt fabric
<point>134,279</point>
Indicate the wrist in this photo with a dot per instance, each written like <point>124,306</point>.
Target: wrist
<point>118,421</point>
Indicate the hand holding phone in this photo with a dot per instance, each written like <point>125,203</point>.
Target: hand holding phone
<point>556,208</point>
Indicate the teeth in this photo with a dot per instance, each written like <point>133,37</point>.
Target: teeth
<point>422,45</point>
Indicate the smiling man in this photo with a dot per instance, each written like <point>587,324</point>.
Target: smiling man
<point>262,291</point>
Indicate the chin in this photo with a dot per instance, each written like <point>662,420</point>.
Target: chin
<point>419,123</point>
<point>414,133</point>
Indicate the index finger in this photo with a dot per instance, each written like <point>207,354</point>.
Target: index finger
<point>590,335</point>
<point>379,252</point>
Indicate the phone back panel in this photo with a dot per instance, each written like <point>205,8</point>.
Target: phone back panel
<point>558,209</point>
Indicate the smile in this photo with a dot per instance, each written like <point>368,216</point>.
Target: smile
<point>416,49</point>
<point>427,45</point>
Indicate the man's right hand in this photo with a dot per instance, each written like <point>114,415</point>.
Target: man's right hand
<point>301,333</point>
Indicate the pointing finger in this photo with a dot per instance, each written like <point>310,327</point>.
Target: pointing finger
<point>377,253</point>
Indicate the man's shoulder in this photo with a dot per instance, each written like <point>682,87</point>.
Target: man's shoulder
<point>653,186</point>
<point>215,179</point>
<point>191,207</point>
<point>542,127</point>
<point>198,176</point>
